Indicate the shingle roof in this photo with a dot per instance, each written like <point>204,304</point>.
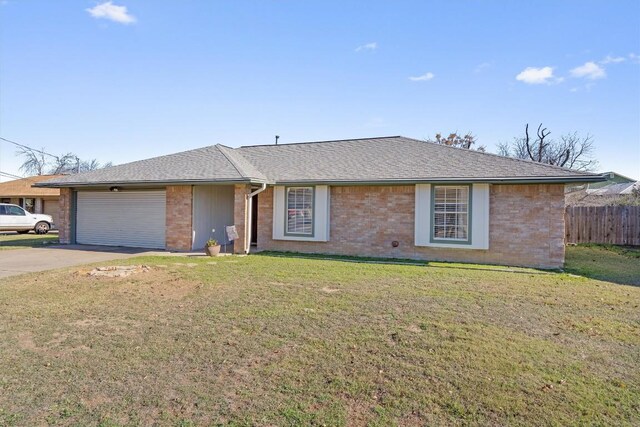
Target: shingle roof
<point>614,189</point>
<point>215,163</point>
<point>394,158</point>
<point>23,187</point>
<point>382,160</point>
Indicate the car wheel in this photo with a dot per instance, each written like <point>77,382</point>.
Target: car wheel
<point>23,231</point>
<point>42,228</point>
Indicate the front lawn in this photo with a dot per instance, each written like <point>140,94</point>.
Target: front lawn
<point>616,264</point>
<point>270,340</point>
<point>23,241</point>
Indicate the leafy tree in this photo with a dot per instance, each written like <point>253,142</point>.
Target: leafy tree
<point>456,140</point>
<point>570,151</point>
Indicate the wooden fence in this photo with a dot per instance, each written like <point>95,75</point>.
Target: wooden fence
<point>616,225</point>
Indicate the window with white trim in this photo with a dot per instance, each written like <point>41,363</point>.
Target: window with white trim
<point>299,215</point>
<point>450,209</point>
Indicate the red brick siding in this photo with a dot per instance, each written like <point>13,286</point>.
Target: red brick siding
<point>179,217</point>
<point>526,226</point>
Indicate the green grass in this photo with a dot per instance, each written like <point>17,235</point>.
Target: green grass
<point>271,340</point>
<point>617,264</point>
<point>23,241</point>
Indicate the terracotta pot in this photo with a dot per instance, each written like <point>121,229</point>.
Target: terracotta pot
<point>213,250</point>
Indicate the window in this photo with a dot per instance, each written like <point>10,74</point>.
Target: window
<point>451,213</point>
<point>29,205</point>
<point>301,213</point>
<point>299,216</point>
<point>11,210</point>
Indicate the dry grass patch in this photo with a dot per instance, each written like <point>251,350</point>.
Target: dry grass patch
<point>24,241</point>
<point>264,340</point>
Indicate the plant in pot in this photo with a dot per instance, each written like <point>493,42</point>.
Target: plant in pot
<point>212,247</point>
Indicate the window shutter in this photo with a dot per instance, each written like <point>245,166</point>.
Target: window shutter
<point>423,215</point>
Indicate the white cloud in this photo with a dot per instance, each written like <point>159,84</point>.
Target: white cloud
<point>613,59</point>
<point>536,76</point>
<point>368,46</point>
<point>112,12</point>
<point>423,78</point>
<point>590,70</point>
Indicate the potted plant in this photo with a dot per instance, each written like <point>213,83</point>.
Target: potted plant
<point>212,247</point>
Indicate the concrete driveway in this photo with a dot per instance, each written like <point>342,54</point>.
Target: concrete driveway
<point>19,261</point>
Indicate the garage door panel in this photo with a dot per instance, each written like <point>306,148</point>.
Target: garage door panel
<point>132,219</point>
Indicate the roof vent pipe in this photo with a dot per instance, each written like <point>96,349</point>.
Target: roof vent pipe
<point>277,137</point>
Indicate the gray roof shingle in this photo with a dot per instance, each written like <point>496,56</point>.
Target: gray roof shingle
<point>391,159</point>
<point>215,163</point>
<point>383,160</point>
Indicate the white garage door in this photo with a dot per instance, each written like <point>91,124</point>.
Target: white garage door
<point>128,218</point>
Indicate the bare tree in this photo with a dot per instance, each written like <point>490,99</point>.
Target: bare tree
<point>34,162</point>
<point>65,164</point>
<point>456,140</point>
<point>516,149</point>
<point>570,151</point>
<point>93,164</point>
<point>579,152</point>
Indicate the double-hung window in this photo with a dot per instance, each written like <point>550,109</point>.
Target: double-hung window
<point>451,213</point>
<point>299,215</point>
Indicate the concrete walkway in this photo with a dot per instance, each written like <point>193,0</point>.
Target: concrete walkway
<point>20,261</point>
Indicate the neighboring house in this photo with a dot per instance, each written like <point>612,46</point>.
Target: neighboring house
<point>612,194</point>
<point>35,200</point>
<point>379,197</point>
<point>610,178</point>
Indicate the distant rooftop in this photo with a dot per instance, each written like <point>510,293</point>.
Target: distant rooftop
<point>23,187</point>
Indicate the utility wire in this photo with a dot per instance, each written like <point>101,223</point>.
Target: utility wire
<point>28,148</point>
<point>10,175</point>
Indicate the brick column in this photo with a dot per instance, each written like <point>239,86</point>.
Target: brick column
<point>64,216</point>
<point>179,225</point>
<point>240,217</point>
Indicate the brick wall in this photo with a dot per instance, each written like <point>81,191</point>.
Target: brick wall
<point>526,226</point>
<point>64,216</point>
<point>240,211</point>
<point>179,217</point>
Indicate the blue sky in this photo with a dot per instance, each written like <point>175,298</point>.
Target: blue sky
<point>132,79</point>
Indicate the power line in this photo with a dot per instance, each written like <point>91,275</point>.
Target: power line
<point>29,148</point>
<point>10,175</point>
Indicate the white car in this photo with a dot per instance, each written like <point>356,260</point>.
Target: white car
<point>14,218</point>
